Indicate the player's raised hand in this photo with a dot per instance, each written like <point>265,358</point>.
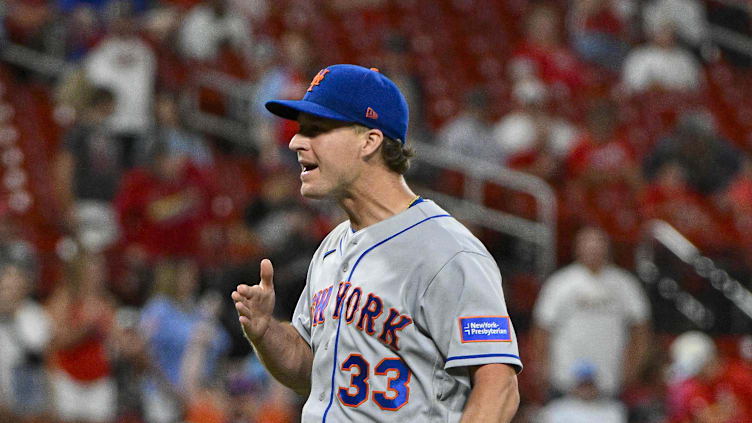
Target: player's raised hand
<point>255,304</point>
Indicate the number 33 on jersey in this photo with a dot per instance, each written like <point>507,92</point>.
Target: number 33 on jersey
<point>395,313</point>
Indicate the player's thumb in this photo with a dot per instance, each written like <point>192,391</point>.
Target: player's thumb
<point>267,274</point>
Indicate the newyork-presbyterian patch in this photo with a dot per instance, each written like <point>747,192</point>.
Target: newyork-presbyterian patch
<point>485,329</point>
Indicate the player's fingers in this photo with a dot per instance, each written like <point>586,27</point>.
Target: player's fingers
<point>267,274</point>
<point>245,324</point>
<point>247,291</point>
<point>242,309</point>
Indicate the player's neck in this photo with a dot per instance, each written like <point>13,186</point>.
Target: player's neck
<point>375,200</point>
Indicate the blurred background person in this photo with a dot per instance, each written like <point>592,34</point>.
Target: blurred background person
<point>584,402</point>
<point>737,199</point>
<point>83,386</point>
<point>25,332</point>
<point>591,310</point>
<point>125,64</point>
<point>131,365</point>
<point>90,164</point>
<point>661,63</point>
<point>184,340</point>
<point>542,55</point>
<point>209,24</point>
<point>603,177</point>
<point>598,32</point>
<point>285,75</point>
<point>172,131</point>
<point>707,388</point>
<point>710,161</point>
<point>165,208</point>
<point>470,133</point>
<point>671,198</point>
<point>87,170</point>
<point>531,138</point>
<point>688,17</point>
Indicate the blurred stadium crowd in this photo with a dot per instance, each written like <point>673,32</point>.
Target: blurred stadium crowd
<point>124,225</point>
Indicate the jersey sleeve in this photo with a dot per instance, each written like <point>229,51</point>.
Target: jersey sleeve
<point>464,311</point>
<point>301,317</point>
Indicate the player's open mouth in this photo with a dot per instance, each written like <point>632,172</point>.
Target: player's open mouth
<point>307,167</point>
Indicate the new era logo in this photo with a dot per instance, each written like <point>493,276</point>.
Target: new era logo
<point>371,114</point>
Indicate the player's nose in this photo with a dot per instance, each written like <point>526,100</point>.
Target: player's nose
<point>298,142</point>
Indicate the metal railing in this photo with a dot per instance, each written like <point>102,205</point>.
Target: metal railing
<point>236,125</point>
<point>477,174</point>
<point>730,39</point>
<point>41,63</point>
<point>660,232</point>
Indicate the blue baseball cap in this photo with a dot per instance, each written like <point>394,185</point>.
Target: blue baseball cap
<point>351,93</point>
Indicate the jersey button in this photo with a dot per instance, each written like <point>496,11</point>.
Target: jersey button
<point>344,267</point>
<point>322,396</point>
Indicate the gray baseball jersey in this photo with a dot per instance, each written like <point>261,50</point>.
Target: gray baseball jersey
<point>395,313</point>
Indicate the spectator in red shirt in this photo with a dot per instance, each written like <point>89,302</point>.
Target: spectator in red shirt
<point>738,201</point>
<point>670,198</point>
<point>708,388</point>
<point>82,310</point>
<point>166,209</point>
<point>544,56</point>
<point>604,176</point>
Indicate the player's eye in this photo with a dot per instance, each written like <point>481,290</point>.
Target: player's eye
<point>311,131</point>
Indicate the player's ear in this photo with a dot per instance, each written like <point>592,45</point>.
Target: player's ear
<point>372,140</point>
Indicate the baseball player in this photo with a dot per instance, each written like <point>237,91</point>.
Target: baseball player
<point>403,316</point>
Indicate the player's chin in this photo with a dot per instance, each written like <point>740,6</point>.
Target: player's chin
<point>311,192</point>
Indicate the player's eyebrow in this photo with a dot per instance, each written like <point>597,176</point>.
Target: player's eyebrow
<point>311,129</point>
<point>312,125</point>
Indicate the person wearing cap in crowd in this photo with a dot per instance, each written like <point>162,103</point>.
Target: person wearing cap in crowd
<point>403,315</point>
<point>584,402</point>
<point>705,387</point>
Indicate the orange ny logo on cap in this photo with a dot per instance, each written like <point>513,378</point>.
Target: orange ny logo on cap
<point>318,78</point>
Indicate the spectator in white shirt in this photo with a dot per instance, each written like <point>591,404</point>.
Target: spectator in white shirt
<point>126,65</point>
<point>687,16</point>
<point>591,310</point>
<point>470,132</point>
<point>661,63</point>
<point>530,125</point>
<point>207,25</point>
